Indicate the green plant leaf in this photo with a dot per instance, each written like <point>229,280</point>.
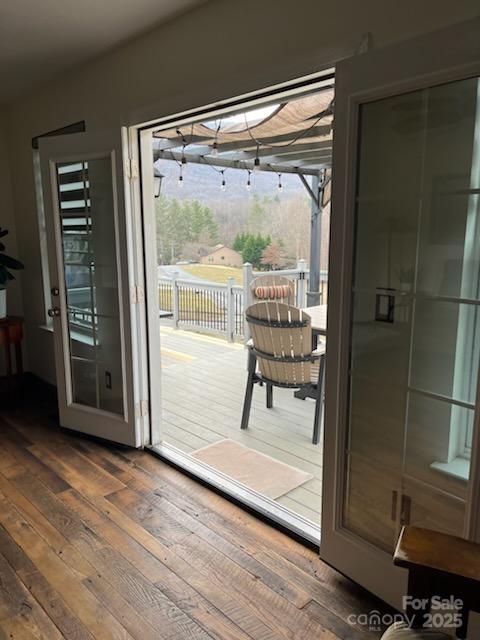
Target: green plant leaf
<point>9,262</point>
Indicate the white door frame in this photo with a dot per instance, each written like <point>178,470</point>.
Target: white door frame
<point>130,428</point>
<point>447,55</point>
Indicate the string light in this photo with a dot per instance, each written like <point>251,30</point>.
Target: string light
<point>215,144</point>
<point>180,177</point>
<point>248,185</point>
<point>279,187</point>
<point>256,163</point>
<point>224,184</point>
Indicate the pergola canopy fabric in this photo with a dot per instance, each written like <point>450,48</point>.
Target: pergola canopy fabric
<point>293,137</point>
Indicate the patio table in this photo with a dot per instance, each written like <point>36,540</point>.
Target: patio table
<point>318,314</point>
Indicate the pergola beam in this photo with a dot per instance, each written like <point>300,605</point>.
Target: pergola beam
<point>275,151</point>
<point>306,157</point>
<point>232,164</point>
<point>247,143</point>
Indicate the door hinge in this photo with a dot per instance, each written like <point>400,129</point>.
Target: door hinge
<point>141,409</point>
<point>138,294</point>
<point>131,169</point>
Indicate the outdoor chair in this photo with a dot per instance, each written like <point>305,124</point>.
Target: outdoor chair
<point>273,287</point>
<point>282,345</point>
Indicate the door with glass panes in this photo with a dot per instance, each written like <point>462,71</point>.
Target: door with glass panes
<point>404,318</point>
<point>96,322</point>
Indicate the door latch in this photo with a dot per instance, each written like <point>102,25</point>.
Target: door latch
<point>54,312</point>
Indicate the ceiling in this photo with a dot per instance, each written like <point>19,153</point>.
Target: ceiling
<point>40,39</point>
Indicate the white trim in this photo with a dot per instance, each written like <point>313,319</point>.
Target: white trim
<point>77,148</point>
<point>265,506</point>
<point>457,468</point>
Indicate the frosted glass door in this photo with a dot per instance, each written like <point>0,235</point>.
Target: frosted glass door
<point>415,326</point>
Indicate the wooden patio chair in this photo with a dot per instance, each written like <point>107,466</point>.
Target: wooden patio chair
<point>282,345</point>
<point>273,287</point>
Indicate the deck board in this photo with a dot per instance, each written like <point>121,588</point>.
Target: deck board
<point>202,400</point>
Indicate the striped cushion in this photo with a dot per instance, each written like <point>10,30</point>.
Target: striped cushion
<point>272,291</point>
<point>401,631</point>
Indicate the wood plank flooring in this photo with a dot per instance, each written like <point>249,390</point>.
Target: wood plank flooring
<point>103,542</point>
<point>203,387</point>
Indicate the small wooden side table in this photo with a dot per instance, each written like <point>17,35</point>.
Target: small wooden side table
<point>11,333</point>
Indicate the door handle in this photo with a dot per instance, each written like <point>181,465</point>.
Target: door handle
<point>55,291</point>
<point>406,508</point>
<point>393,513</point>
<point>53,312</point>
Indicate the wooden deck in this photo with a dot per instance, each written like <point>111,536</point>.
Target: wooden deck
<point>105,543</point>
<point>203,386</point>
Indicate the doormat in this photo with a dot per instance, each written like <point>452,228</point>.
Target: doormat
<point>255,470</point>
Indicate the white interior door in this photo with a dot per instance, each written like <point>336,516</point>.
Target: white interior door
<point>94,288</point>
<point>404,296</point>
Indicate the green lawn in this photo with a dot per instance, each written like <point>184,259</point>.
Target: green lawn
<point>214,273</point>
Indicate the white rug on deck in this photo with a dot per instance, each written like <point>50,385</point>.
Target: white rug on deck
<point>255,470</point>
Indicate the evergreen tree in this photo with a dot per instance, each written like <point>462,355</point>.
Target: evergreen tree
<point>180,223</point>
<point>254,247</point>
<point>239,242</point>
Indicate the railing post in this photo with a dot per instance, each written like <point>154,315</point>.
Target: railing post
<point>175,300</point>
<point>301,283</point>
<point>230,310</point>
<point>247,296</point>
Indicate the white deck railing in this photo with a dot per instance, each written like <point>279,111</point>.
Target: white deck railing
<point>219,308</point>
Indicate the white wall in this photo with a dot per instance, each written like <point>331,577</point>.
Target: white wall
<point>7,220</point>
<point>218,50</point>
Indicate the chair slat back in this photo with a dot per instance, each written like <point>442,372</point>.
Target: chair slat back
<point>283,342</point>
<point>271,280</point>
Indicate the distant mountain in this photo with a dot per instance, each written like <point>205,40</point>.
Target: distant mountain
<point>203,183</point>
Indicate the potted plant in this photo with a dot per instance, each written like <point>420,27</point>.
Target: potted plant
<point>6,264</point>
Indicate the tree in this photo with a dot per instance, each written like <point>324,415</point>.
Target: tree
<point>257,213</point>
<point>273,256</point>
<point>180,224</point>
<point>239,242</point>
<point>253,248</point>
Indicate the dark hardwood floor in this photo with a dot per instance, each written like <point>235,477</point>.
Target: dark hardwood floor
<point>108,543</point>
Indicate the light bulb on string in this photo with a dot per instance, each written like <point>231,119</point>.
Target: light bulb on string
<point>256,162</point>
<point>180,178</point>
<point>279,186</point>
<point>248,186</point>
<point>223,186</point>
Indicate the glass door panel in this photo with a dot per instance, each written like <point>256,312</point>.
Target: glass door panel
<point>424,507</point>
<point>415,332</point>
<point>85,195</point>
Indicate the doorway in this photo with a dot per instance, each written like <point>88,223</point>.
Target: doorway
<point>239,197</point>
